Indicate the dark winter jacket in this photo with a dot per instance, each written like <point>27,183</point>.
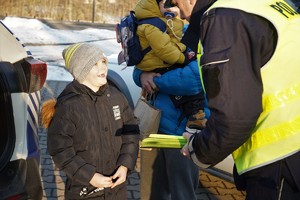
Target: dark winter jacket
<point>92,132</point>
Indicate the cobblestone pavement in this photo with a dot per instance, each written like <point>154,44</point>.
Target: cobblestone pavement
<point>210,187</point>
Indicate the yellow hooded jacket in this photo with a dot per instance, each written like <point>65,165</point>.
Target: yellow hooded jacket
<point>166,49</point>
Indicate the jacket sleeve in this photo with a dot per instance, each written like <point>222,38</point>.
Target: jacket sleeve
<point>180,81</point>
<point>60,147</point>
<point>231,66</point>
<point>136,76</point>
<point>162,45</point>
<point>130,138</point>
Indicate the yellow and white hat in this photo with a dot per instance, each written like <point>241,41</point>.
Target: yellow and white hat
<point>80,58</point>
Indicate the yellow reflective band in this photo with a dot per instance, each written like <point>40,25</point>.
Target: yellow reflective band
<point>70,53</point>
<point>281,98</point>
<point>284,136</point>
<point>275,133</point>
<point>267,154</point>
<point>199,54</point>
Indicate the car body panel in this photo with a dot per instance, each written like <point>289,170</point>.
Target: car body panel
<point>26,106</point>
<point>121,76</point>
<point>10,43</point>
<point>225,165</point>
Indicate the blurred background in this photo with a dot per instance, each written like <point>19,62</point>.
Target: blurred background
<point>95,11</point>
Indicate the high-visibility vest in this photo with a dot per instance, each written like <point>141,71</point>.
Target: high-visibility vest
<point>277,131</point>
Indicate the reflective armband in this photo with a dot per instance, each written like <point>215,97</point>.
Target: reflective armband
<point>193,155</point>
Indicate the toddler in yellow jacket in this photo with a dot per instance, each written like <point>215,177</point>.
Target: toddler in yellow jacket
<point>167,53</point>
<point>166,48</point>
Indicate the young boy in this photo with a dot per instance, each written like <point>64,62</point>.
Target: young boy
<point>167,53</point>
<point>93,136</point>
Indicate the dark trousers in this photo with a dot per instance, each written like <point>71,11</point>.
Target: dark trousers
<point>277,181</point>
<point>168,175</point>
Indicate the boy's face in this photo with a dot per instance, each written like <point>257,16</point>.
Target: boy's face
<point>97,76</point>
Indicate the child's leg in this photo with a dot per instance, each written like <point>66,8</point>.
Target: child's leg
<point>196,122</point>
<point>192,108</point>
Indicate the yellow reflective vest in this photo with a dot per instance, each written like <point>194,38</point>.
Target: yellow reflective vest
<point>277,131</point>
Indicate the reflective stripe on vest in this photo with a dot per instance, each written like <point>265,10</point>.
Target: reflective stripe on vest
<point>277,132</point>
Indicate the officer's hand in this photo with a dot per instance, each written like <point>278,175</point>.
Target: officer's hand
<point>185,149</point>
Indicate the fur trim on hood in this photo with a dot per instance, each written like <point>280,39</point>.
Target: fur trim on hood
<point>47,112</point>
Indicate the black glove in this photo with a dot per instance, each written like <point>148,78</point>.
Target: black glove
<point>189,56</point>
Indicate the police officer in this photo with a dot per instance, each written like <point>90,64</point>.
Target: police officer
<point>250,70</point>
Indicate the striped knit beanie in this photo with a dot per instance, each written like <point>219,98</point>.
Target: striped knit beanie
<point>80,58</point>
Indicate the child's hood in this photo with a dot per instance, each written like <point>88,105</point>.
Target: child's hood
<point>146,9</point>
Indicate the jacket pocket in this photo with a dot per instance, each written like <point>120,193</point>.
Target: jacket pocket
<point>217,57</point>
<point>211,67</point>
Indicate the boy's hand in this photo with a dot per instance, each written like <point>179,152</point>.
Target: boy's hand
<point>101,181</point>
<point>120,176</point>
<point>189,56</point>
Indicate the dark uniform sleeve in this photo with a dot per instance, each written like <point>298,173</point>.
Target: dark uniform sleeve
<point>236,45</point>
<point>130,138</point>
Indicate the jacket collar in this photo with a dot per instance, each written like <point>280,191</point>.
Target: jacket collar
<point>76,88</point>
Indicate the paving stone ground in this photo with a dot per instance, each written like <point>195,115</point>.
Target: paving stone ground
<point>210,187</point>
